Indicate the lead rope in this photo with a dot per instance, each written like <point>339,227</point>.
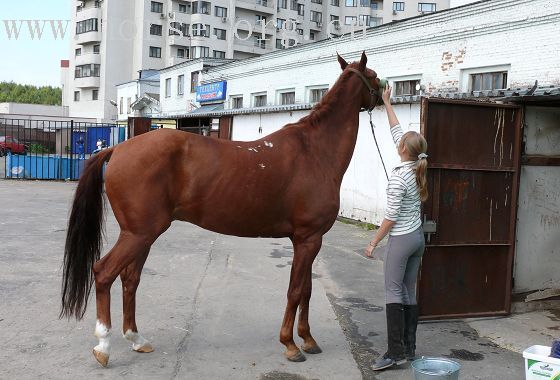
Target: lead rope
<point>377,145</point>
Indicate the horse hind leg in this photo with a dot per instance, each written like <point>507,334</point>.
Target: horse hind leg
<point>130,278</point>
<point>106,271</point>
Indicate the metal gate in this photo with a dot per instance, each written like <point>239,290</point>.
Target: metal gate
<point>52,149</point>
<point>473,174</point>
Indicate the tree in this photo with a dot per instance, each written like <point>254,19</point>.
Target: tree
<point>17,93</point>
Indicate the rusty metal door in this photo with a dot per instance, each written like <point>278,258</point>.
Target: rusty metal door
<point>473,175</point>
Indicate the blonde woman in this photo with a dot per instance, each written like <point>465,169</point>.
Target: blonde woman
<point>406,190</point>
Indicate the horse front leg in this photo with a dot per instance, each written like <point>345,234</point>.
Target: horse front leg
<point>130,278</point>
<point>305,251</point>
<point>309,346</point>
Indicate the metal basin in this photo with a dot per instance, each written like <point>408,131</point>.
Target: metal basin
<point>435,369</point>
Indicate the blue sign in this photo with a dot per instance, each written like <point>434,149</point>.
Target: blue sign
<point>211,92</point>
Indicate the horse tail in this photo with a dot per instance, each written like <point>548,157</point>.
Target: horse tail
<point>84,238</point>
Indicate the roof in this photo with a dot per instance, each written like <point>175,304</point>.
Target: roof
<point>241,111</point>
<point>145,100</point>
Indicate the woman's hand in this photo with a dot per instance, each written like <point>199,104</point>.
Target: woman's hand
<point>369,250</point>
<point>387,94</point>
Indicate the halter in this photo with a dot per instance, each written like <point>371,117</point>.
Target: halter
<point>372,91</point>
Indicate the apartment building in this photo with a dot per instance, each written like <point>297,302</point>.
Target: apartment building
<point>113,40</point>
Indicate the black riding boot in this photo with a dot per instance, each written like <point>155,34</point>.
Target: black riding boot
<point>410,324</point>
<point>395,335</point>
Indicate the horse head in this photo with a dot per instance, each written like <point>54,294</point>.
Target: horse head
<point>373,86</point>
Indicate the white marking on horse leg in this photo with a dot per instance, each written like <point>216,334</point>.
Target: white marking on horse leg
<point>104,336</point>
<point>139,343</point>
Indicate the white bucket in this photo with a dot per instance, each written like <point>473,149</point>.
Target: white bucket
<point>435,369</point>
<point>539,365</point>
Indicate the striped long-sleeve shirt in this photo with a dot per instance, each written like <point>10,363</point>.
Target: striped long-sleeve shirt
<point>403,199</point>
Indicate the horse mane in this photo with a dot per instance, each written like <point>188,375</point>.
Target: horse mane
<point>326,104</point>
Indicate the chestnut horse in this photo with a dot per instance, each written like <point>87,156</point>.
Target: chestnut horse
<point>286,184</point>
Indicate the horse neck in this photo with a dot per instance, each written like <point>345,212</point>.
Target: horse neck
<point>336,129</point>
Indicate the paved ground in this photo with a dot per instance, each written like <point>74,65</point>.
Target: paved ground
<point>212,306</point>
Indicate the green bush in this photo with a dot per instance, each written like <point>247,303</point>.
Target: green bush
<point>38,148</point>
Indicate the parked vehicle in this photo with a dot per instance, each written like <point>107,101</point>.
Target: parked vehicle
<point>11,144</point>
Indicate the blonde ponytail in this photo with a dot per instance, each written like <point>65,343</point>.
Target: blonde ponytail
<point>416,147</point>
<point>421,182</point>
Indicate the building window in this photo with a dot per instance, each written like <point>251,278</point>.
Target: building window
<point>489,81</point>
<point>406,87</point>
<point>220,12</point>
<point>219,54</point>
<point>201,7</point>
<point>259,100</point>
<point>201,52</point>
<point>426,7</point>
<point>350,20</point>
<point>311,36</point>
<point>264,3</point>
<point>279,44</point>
<point>374,5</point>
<point>317,1</point>
<point>364,3</point>
<point>168,87</point>
<point>282,4</point>
<point>363,20</point>
<point>85,26</point>
<point>95,95</point>
<point>375,21</point>
<point>78,52</point>
<point>121,106</point>
<point>178,29</point>
<point>301,10</point>
<point>259,42</point>
<point>128,105</point>
<point>86,71</point>
<point>182,53</point>
<point>96,49</point>
<point>398,6</point>
<point>156,30</point>
<point>181,85</point>
<point>194,80</point>
<point>316,94</point>
<point>280,22</point>
<point>236,101</point>
<point>201,30</point>
<point>316,16</point>
<point>155,52</point>
<point>220,33</point>
<point>335,3</point>
<point>76,96</point>
<point>157,7</point>
<point>183,8</point>
<point>351,3</point>
<point>287,98</point>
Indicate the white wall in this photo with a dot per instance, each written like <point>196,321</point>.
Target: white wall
<point>538,240</point>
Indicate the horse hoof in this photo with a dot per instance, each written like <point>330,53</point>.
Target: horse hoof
<point>312,350</point>
<point>297,357</point>
<point>145,348</point>
<point>102,358</point>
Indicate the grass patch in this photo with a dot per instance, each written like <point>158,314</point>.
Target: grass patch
<point>364,225</point>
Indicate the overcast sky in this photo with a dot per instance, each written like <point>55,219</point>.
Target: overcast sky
<point>33,61</point>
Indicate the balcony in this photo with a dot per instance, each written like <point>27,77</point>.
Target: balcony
<point>249,46</point>
<point>88,38</point>
<point>86,59</point>
<point>89,12</point>
<point>180,40</point>
<point>88,82</point>
<point>255,28</point>
<point>262,6</point>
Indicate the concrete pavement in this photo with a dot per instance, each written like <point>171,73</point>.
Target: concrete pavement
<point>212,306</point>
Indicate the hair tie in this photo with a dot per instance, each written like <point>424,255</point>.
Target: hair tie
<point>422,156</point>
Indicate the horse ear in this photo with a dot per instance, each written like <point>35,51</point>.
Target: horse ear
<point>363,61</point>
<point>342,62</point>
